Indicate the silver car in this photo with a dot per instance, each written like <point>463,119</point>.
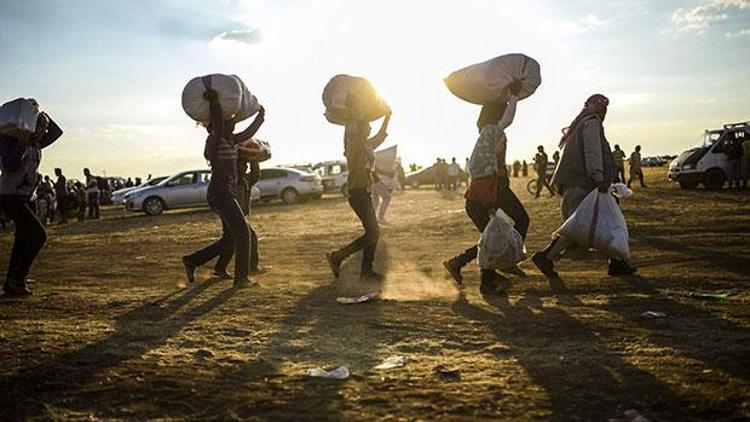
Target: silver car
<point>118,196</point>
<point>288,184</point>
<point>183,190</point>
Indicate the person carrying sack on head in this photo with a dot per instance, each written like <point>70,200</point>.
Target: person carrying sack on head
<point>359,150</point>
<point>489,188</point>
<point>221,152</point>
<point>586,164</point>
<point>19,160</point>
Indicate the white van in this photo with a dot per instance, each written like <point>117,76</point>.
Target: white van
<point>706,162</point>
<point>333,174</point>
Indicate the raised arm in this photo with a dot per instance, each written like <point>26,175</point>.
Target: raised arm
<point>510,113</point>
<point>379,137</point>
<point>215,127</point>
<point>252,129</point>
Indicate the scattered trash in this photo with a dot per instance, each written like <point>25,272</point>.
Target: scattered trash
<point>354,300</point>
<point>653,314</point>
<point>204,354</point>
<point>340,373</point>
<point>392,362</point>
<point>711,296</point>
<point>447,374</point>
<point>140,258</point>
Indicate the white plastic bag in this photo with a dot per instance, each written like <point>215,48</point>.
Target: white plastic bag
<point>621,190</point>
<point>340,87</point>
<point>500,246</point>
<point>249,104</point>
<point>18,115</point>
<point>488,81</point>
<point>230,97</point>
<point>598,223</point>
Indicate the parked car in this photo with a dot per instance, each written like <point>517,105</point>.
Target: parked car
<point>653,162</point>
<point>183,190</point>
<point>288,184</point>
<point>707,162</point>
<point>118,196</point>
<point>333,175</point>
<point>427,176</point>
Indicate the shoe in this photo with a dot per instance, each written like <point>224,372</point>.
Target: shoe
<point>619,268</point>
<point>333,263</point>
<point>244,282</point>
<point>13,288</point>
<point>258,270</point>
<point>515,271</point>
<point>454,269</point>
<point>189,270</point>
<point>222,274</point>
<point>370,275</point>
<point>545,265</point>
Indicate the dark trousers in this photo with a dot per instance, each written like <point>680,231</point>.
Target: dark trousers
<point>235,236</point>
<point>29,239</point>
<point>93,199</point>
<point>480,215</point>
<point>361,202</point>
<point>223,262</point>
<point>639,175</point>
<point>541,181</point>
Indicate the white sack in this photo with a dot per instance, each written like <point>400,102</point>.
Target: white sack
<point>500,246</point>
<point>340,87</point>
<point>488,81</point>
<point>598,223</point>
<point>230,97</point>
<point>249,104</point>
<point>18,115</point>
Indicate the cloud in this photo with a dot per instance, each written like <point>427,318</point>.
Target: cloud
<point>741,33</point>
<point>246,36</point>
<point>587,23</point>
<point>700,18</point>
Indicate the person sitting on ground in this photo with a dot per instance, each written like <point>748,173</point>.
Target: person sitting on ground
<point>586,164</point>
<point>19,160</point>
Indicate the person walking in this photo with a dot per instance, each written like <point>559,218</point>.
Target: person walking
<point>454,175</point>
<point>733,150</point>
<point>248,174</point>
<point>221,152</point>
<point>586,164</point>
<point>540,165</point>
<point>619,156</point>
<point>61,192</point>
<point>635,166</point>
<point>81,199</point>
<point>92,194</point>
<point>359,150</point>
<point>20,157</point>
<point>381,195</point>
<point>489,188</point>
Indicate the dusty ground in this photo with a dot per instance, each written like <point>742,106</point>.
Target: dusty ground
<point>89,343</point>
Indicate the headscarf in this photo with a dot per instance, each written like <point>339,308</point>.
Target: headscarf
<point>595,105</point>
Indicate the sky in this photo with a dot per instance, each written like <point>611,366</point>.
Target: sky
<point>111,72</point>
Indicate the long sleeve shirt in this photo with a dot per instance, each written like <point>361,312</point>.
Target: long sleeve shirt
<point>360,154</point>
<point>489,153</point>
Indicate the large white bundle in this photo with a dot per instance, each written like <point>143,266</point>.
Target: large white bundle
<point>500,246</point>
<point>18,115</point>
<point>340,88</point>
<point>237,103</point>
<point>488,81</point>
<point>598,223</point>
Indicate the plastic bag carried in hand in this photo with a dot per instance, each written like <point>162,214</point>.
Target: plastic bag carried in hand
<point>621,191</point>
<point>489,81</point>
<point>337,93</point>
<point>500,246</point>
<point>598,223</point>
<point>254,150</point>
<point>237,103</point>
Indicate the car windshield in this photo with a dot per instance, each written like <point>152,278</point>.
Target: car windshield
<point>709,138</point>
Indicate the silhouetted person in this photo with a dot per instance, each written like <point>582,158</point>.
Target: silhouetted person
<point>619,156</point>
<point>92,194</point>
<point>540,165</point>
<point>524,169</point>
<point>454,174</point>
<point>636,171</point>
<point>62,194</point>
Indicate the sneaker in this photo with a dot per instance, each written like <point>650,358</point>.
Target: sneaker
<point>515,271</point>
<point>333,263</point>
<point>189,270</point>
<point>620,268</point>
<point>371,275</point>
<point>222,274</point>
<point>545,265</point>
<point>454,269</point>
<point>12,288</point>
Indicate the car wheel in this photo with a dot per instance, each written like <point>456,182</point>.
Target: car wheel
<point>414,184</point>
<point>290,196</point>
<point>153,206</point>
<point>714,179</point>
<point>688,185</point>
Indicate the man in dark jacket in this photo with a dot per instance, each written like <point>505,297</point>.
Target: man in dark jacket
<point>586,164</point>
<point>61,192</point>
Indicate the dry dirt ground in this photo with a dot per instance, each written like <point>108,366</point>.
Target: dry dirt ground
<point>91,343</point>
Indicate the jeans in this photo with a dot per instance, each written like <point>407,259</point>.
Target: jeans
<point>29,239</point>
<point>639,175</point>
<point>93,198</point>
<point>235,236</point>
<point>735,172</point>
<point>361,202</point>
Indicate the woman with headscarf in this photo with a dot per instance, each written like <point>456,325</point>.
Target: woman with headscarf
<point>489,188</point>
<point>586,163</point>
